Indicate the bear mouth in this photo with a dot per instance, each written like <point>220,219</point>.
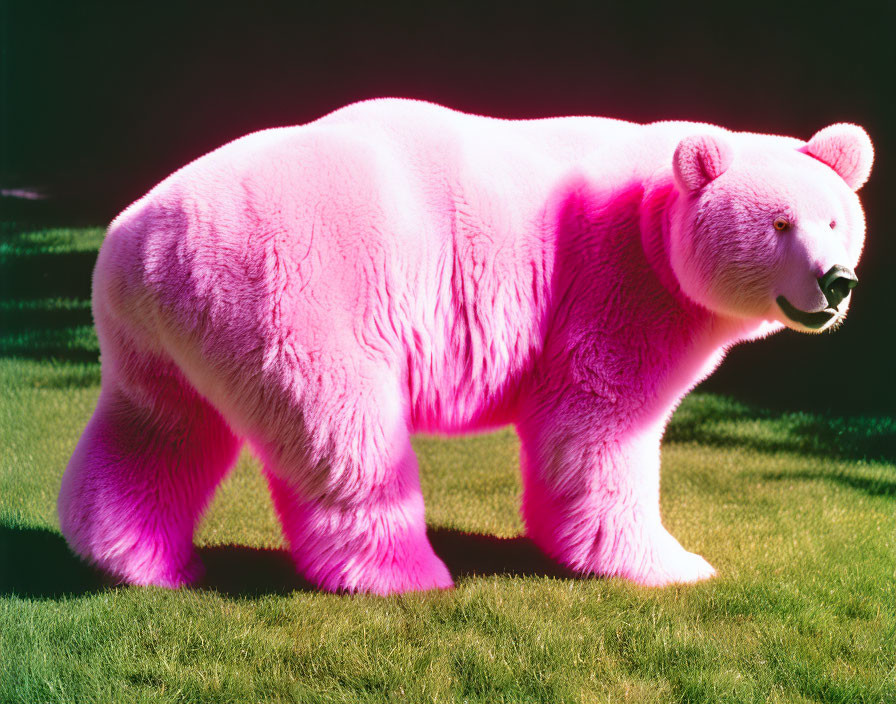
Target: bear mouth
<point>809,319</point>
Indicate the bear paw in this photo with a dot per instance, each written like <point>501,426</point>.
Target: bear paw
<point>151,570</point>
<point>173,577</point>
<point>420,571</point>
<point>415,577</point>
<point>686,568</point>
<point>669,563</point>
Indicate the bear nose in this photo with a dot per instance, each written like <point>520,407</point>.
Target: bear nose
<point>837,283</point>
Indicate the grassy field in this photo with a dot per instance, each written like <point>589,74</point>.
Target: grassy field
<point>796,511</point>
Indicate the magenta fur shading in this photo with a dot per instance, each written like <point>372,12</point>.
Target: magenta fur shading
<point>322,292</point>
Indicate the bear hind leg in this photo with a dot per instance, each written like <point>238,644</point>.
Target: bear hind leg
<point>352,509</point>
<point>141,475</point>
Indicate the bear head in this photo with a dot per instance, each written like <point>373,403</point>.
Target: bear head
<point>770,228</point>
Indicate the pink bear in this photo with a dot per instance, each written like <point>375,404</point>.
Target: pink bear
<point>324,291</point>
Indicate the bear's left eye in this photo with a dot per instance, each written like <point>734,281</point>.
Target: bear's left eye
<point>782,224</point>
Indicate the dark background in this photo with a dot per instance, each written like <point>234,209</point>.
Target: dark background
<point>100,102</point>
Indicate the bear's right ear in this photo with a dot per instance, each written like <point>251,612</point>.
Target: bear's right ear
<point>700,159</point>
<point>846,149</point>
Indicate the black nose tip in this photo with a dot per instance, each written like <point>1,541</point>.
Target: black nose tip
<point>837,283</point>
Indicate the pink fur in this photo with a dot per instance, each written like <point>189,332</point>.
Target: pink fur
<point>324,291</point>
<point>700,159</point>
<point>847,150</point>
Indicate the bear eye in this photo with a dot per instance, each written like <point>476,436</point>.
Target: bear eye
<point>782,224</point>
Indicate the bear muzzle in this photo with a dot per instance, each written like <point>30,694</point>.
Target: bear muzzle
<point>835,284</point>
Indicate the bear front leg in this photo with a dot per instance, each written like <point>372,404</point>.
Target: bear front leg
<point>347,492</point>
<point>591,501</point>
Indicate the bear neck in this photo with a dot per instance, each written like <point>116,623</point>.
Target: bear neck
<point>631,340</point>
<point>660,195</point>
<point>659,198</point>
<point>696,339</point>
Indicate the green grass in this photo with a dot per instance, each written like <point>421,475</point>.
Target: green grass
<point>796,511</point>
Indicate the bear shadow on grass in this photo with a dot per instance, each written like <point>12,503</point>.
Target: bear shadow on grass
<point>36,563</point>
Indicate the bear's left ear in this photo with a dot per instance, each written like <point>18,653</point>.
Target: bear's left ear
<point>846,149</point>
<point>699,160</point>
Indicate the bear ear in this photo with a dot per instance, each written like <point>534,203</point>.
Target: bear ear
<point>700,159</point>
<point>846,149</point>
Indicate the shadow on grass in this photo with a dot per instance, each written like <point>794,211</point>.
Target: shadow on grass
<point>50,348</point>
<point>867,485</point>
<point>36,563</point>
<point>241,571</point>
<point>478,555</point>
<point>29,276</point>
<point>712,421</point>
<point>46,304</point>
<point>46,317</point>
